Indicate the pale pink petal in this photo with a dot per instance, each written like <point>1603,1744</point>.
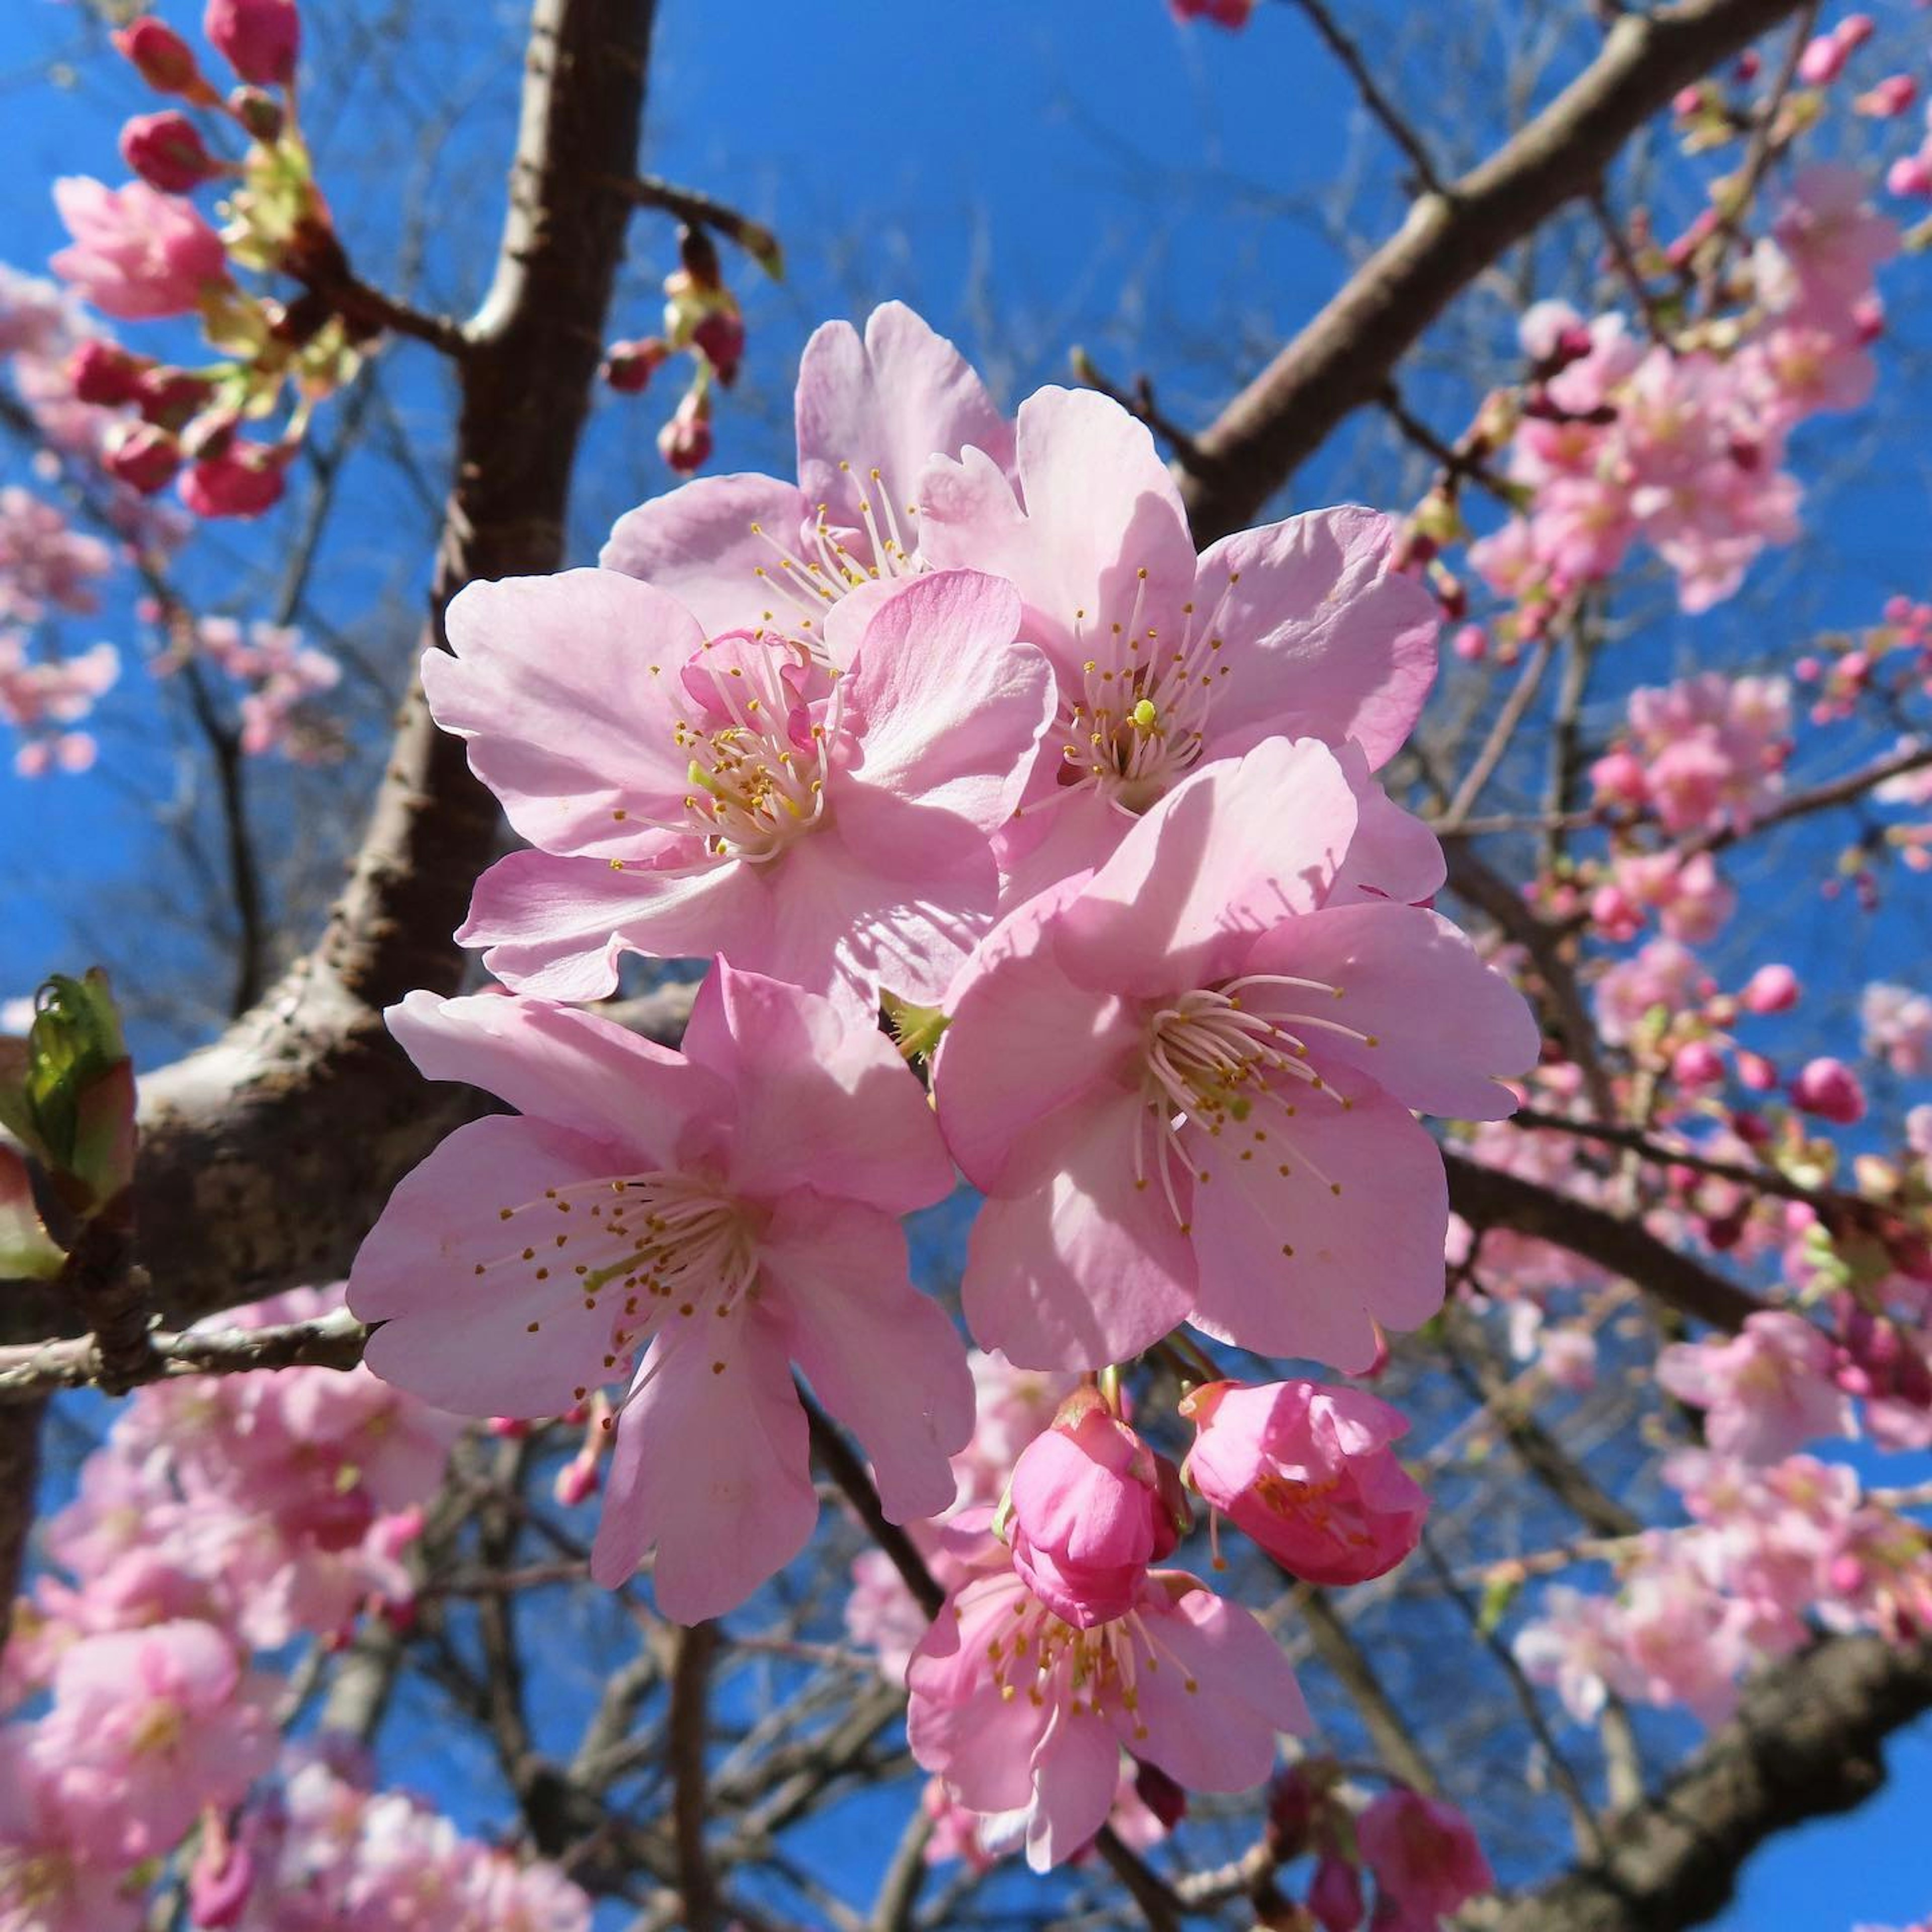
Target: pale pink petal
<point>461,1340</point>
<point>566,688</point>
<point>557,1064</point>
<point>950,709</point>
<point>1054,835</point>
<point>889,403</point>
<point>1076,1771</point>
<point>958,1723</point>
<point>1442,1028</point>
<point>880,1355</point>
<point>1085,1266</point>
<point>1374,1250</point>
<point>1323,640</point>
<point>1209,1714</point>
<point>1024,1041</point>
<point>707,543</point>
<point>712,1465</point>
<point>822,1099</point>
<point>1229,852</point>
<point>557,926</point>
<point>1394,855</point>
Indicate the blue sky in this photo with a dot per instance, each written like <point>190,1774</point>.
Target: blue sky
<point>1032,177</point>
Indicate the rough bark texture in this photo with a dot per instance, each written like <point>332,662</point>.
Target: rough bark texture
<point>1343,358</point>
<point>264,1155</point>
<point>1808,1742</point>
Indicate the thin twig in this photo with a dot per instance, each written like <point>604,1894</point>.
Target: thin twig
<point>1379,104</point>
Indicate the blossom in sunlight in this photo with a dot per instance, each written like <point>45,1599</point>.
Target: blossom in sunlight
<point>695,1223</point>
<point>137,253</point>
<point>688,796</point>
<point>1183,1082</point>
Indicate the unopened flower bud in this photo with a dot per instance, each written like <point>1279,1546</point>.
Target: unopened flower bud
<point>1829,1089</point>
<point>162,59</point>
<point>261,114</point>
<point>1697,1063</point>
<point>685,441</point>
<point>105,374</point>
<point>166,151</point>
<point>628,367</point>
<point>245,479</point>
<point>1771,989</point>
<point>146,458</point>
<point>260,39</point>
<point>720,336</point>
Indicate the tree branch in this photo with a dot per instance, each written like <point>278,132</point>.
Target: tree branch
<point>1345,355</point>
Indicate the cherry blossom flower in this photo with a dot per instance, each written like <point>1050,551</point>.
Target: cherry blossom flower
<point>1769,1389</point>
<point>1425,1857</point>
<point>1165,661</point>
<point>1308,1473</point>
<point>1898,1022</point>
<point>50,1881</point>
<point>1184,1083</point>
<point>259,39</point>
<point>1018,1711</point>
<point>749,553</point>
<point>137,253</point>
<point>687,797</point>
<point>734,1207</point>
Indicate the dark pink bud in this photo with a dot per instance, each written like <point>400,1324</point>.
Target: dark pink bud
<point>1756,1072</point>
<point>220,1879</point>
<point>1335,1895</point>
<point>1159,1793</point>
<point>145,458</point>
<point>721,336</point>
<point>245,480</point>
<point>1425,1857</point>
<point>260,113</point>
<point>1829,1089</point>
<point>166,151</point>
<point>163,58</point>
<point>168,397</point>
<point>106,375</point>
<point>1697,1063</point>
<point>1292,1803</point>
<point>260,39</point>
<point>628,367</point>
<point>1771,989</point>
<point>685,441</point>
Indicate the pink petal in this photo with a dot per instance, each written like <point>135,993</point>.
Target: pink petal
<point>822,1100</point>
<point>889,403</point>
<point>1083,1267</point>
<point>881,1356</point>
<point>957,1724</point>
<point>698,543</point>
<point>1055,834</point>
<point>711,1464</point>
<point>1076,1771</point>
<point>1324,640</point>
<point>1024,1041</point>
<point>1223,1690</point>
<point>460,1340</point>
<point>1446,1026</point>
<point>566,688</point>
<point>1230,851</point>
<point>949,710</point>
<point>558,926</point>
<point>1394,855</point>
<point>1374,1250</point>
<point>572,1069</point>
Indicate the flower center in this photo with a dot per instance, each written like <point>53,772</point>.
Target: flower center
<point>757,760</point>
<point>1050,1662</point>
<point>644,1248</point>
<point>1137,719</point>
<point>1231,1061</point>
<point>836,560</point>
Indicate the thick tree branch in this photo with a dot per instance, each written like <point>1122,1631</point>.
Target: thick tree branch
<point>1807,1742</point>
<point>1344,356</point>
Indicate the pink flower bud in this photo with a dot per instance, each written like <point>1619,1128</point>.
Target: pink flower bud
<point>1424,1854</point>
<point>1470,643</point>
<point>1697,1063</point>
<point>1087,1513</point>
<point>260,113</point>
<point>145,458</point>
<point>628,367</point>
<point>1854,30</point>
<point>1335,1894</point>
<point>245,480</point>
<point>1307,1471</point>
<point>721,336</point>
<point>1910,174</point>
<point>1159,1793</point>
<point>163,58</point>
<point>259,39</point>
<point>685,441</point>
<point>1687,101</point>
<point>1232,14</point>
<point>576,1481</point>
<point>1771,989</point>
<point>1830,1089</point>
<point>1892,95</point>
<point>166,151</point>
<point>1823,61</point>
<point>169,397</point>
<point>1755,1072</point>
<point>105,374</point>
<point>1620,777</point>
<point>220,1879</point>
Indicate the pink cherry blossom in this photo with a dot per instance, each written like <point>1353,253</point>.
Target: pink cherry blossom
<point>259,39</point>
<point>1090,1511</point>
<point>137,253</point>
<point>687,797</point>
<point>1573,1644</point>
<point>1828,1088</point>
<point>1183,1082</point>
<point>733,1206</point>
<point>1769,1389</point>
<point>1665,974</point>
<point>1185,1681</point>
<point>42,700</point>
<point>1308,1472</point>
<point>1165,661</point>
<point>50,1881</point>
<point>1425,1859</point>
<point>749,553</point>
<point>1898,1022</point>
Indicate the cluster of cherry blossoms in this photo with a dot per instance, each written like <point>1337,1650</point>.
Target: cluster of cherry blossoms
<point>223,1519</point>
<point>958,725</point>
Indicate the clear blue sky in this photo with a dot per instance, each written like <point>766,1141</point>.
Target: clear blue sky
<point>1030,176</point>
